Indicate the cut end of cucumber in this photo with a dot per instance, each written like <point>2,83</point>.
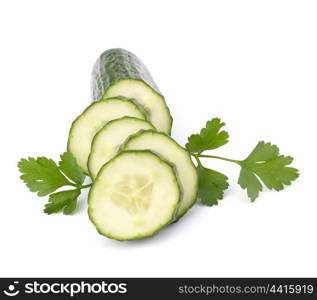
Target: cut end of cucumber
<point>172,152</point>
<point>92,120</point>
<point>108,140</point>
<point>134,196</point>
<point>153,103</point>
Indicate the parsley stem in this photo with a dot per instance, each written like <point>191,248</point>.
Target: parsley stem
<point>78,186</point>
<point>86,186</point>
<point>197,159</point>
<point>219,157</point>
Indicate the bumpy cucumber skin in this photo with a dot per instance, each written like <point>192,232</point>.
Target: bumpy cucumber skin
<point>169,221</point>
<point>87,109</point>
<point>114,65</point>
<point>117,64</point>
<point>92,142</point>
<point>131,137</point>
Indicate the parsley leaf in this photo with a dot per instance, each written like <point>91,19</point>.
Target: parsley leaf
<point>70,168</point>
<point>64,200</point>
<point>265,165</point>
<point>211,185</point>
<point>209,137</point>
<point>249,181</point>
<point>41,175</point>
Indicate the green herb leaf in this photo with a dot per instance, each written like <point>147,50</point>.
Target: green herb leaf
<point>212,185</point>
<point>70,168</point>
<point>41,175</point>
<point>265,165</point>
<point>209,137</point>
<point>64,200</point>
<point>249,181</point>
<point>70,207</point>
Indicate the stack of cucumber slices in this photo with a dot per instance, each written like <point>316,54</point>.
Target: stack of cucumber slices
<point>142,179</point>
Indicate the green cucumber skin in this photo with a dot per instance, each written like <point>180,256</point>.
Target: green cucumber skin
<point>131,137</point>
<point>137,237</point>
<point>114,65</point>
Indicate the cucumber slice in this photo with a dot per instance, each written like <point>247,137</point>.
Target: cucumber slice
<point>134,195</point>
<point>119,72</point>
<point>107,141</point>
<point>171,151</point>
<point>92,120</point>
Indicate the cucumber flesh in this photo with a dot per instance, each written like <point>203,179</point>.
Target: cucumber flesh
<point>133,196</point>
<point>172,152</point>
<point>152,102</point>
<point>118,72</point>
<point>92,120</point>
<point>107,141</point>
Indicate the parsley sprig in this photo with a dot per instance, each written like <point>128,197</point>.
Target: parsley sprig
<point>264,166</point>
<point>43,176</point>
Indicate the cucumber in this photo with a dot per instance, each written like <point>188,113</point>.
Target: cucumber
<point>107,141</point>
<point>118,72</point>
<point>93,118</point>
<point>172,152</point>
<point>134,195</point>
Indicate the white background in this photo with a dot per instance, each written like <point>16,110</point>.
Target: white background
<point>252,63</point>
